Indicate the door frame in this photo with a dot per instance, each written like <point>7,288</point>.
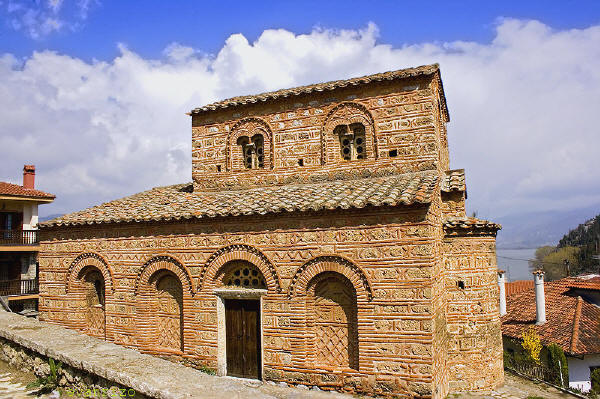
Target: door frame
<point>236,293</point>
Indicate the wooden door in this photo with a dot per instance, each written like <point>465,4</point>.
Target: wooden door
<point>243,338</point>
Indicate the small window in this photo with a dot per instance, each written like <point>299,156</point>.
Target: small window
<point>301,162</point>
<point>245,275</point>
<point>461,284</point>
<point>352,141</point>
<point>393,153</point>
<point>218,168</point>
<point>253,151</point>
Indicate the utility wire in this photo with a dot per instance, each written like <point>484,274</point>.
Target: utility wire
<point>531,260</point>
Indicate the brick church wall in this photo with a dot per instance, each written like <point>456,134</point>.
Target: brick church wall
<point>394,249</point>
<point>475,340</point>
<point>414,330</point>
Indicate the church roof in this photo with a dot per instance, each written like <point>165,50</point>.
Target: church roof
<point>179,202</point>
<point>323,87</point>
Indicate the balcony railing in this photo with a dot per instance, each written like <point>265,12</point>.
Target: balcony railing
<point>19,237</point>
<point>19,287</point>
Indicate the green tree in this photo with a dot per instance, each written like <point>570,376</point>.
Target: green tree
<point>552,261</point>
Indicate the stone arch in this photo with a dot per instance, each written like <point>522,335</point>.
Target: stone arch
<point>92,297</point>
<point>330,263</point>
<point>165,262</point>
<point>89,259</point>
<point>164,291</point>
<point>346,113</point>
<point>239,252</point>
<point>249,127</point>
<point>332,322</point>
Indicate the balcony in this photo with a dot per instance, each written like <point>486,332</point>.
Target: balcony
<point>19,287</point>
<point>19,238</point>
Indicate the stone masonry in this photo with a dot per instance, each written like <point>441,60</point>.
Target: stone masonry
<point>327,215</point>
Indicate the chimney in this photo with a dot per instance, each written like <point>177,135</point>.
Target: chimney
<point>29,176</point>
<point>540,299</point>
<point>502,287</point>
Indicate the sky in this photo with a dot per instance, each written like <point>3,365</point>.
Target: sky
<point>94,92</point>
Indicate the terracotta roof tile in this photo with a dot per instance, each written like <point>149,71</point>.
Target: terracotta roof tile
<point>470,223</point>
<point>454,181</point>
<point>571,322</point>
<point>515,287</point>
<point>319,87</point>
<point>179,202</point>
<point>20,191</point>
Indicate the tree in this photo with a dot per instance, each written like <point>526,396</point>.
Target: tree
<point>552,261</point>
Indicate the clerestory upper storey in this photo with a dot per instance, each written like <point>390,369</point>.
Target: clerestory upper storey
<point>383,124</point>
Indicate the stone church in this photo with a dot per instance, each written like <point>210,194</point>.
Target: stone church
<point>322,241</point>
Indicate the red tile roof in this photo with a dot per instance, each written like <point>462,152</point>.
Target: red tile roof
<point>515,287</point>
<point>571,321</point>
<point>19,191</point>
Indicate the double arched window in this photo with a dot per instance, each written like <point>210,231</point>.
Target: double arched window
<point>352,141</point>
<point>253,151</point>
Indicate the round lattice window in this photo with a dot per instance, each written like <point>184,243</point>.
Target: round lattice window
<point>245,276</point>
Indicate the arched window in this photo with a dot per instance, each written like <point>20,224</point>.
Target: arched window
<point>242,274</point>
<point>352,141</point>
<point>333,316</point>
<point>253,151</point>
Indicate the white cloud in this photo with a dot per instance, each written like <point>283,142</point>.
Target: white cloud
<point>38,19</point>
<point>523,109</point>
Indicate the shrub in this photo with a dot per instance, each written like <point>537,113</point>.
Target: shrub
<point>532,345</point>
<point>557,362</point>
<point>50,382</point>
<point>595,379</point>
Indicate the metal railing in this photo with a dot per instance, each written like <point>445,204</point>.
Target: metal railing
<point>19,287</point>
<point>19,237</point>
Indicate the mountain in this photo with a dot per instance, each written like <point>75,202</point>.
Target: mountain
<point>586,236</point>
<point>535,229</point>
<point>49,217</point>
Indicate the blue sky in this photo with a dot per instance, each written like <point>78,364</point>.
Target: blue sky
<point>94,92</point>
<point>150,26</point>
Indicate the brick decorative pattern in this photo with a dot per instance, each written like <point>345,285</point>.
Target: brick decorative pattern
<point>362,299</point>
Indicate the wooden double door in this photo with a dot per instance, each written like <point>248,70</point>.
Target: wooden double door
<point>242,325</point>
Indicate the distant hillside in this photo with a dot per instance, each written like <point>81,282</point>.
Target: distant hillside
<point>534,229</point>
<point>49,217</point>
<point>586,236</point>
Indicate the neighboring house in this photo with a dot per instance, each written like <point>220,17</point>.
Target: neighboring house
<point>323,241</point>
<point>572,315</point>
<point>19,242</point>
